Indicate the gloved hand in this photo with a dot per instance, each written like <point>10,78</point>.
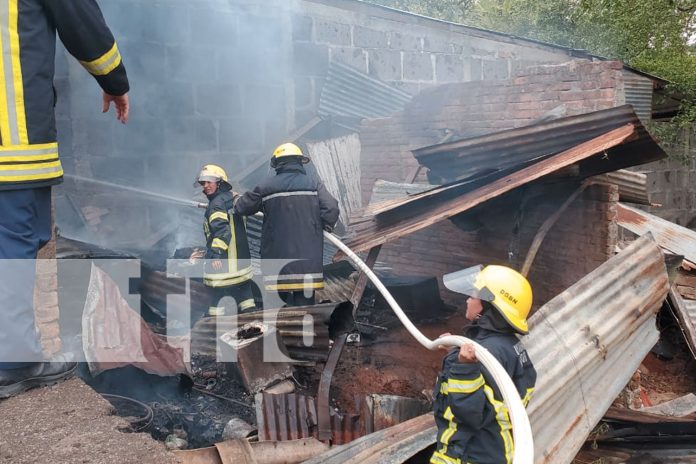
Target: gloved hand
<point>329,228</point>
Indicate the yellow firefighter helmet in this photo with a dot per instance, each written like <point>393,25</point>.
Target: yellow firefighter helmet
<point>506,289</point>
<point>287,149</point>
<point>212,173</point>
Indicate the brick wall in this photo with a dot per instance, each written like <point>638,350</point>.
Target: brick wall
<point>46,309</point>
<point>583,238</point>
<point>476,108</point>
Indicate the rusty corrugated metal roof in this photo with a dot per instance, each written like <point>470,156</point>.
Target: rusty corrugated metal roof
<point>586,344</point>
<point>686,313</point>
<point>293,416</point>
<point>633,186</point>
<point>677,239</point>
<point>621,147</point>
<point>638,92</point>
<point>452,161</point>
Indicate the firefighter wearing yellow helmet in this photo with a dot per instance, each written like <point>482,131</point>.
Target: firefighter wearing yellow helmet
<point>228,261</point>
<point>297,208</point>
<point>472,421</point>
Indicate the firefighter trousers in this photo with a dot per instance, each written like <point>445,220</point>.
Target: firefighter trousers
<point>241,294</point>
<point>25,226</point>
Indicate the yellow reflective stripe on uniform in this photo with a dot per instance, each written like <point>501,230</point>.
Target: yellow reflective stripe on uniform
<point>246,304</point>
<point>442,458</point>
<point>293,287</point>
<point>105,63</point>
<point>464,386</point>
<point>13,125</point>
<point>216,311</point>
<point>503,420</point>
<point>232,252</point>
<point>451,429</point>
<point>226,281</point>
<point>527,396</point>
<point>218,215</point>
<point>29,153</point>
<point>21,123</point>
<point>218,243</point>
<point>34,171</point>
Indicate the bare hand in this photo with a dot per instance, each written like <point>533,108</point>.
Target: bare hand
<point>467,354</point>
<point>120,103</point>
<point>217,264</point>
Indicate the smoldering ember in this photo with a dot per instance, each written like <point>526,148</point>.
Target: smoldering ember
<point>446,148</point>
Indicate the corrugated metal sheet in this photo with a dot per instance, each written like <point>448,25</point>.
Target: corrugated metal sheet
<point>638,91</point>
<point>338,163</point>
<point>296,326</point>
<point>686,313</point>
<point>586,344</point>
<point>384,190</point>
<point>350,93</point>
<point>452,161</point>
<point>393,445</point>
<point>293,416</point>
<point>677,239</point>
<point>618,148</point>
<point>633,186</point>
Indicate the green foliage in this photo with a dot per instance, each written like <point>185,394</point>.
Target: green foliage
<point>448,10</point>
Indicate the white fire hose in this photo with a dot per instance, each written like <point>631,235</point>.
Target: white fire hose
<point>521,429</point>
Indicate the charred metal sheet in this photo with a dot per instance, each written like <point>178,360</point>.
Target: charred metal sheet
<point>245,349</point>
<point>243,452</point>
<point>391,220</point>
<point>355,95</point>
<point>293,416</point>
<point>339,282</point>
<point>388,410</point>
<point>585,344</point>
<point>304,330</point>
<point>633,186</point>
<point>686,314</point>
<point>462,159</point>
<point>74,249</point>
<point>677,239</point>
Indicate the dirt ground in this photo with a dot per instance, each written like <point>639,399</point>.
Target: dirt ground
<point>70,423</point>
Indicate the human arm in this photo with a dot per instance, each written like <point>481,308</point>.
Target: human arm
<point>328,207</point>
<point>86,36</point>
<point>220,232</point>
<point>248,203</point>
<point>465,394</point>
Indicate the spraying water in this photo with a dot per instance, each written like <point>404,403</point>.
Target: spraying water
<point>152,195</point>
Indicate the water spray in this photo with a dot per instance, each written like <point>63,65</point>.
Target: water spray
<point>135,190</point>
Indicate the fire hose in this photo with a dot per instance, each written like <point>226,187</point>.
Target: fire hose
<point>521,429</point>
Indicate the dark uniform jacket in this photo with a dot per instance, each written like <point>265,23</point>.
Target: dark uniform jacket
<point>226,239</point>
<point>28,147</point>
<point>296,209</point>
<point>473,425</point>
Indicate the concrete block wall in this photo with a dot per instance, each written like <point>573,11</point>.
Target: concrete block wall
<point>672,182</point>
<point>481,107</point>
<point>583,238</point>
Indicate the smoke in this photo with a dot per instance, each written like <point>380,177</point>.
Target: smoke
<point>209,84</point>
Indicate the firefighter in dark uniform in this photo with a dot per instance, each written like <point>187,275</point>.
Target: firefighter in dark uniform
<point>473,424</point>
<point>297,209</point>
<point>228,261</point>
<point>29,163</point>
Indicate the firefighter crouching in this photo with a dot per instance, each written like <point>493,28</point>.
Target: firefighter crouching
<point>227,260</point>
<point>297,209</point>
<point>473,424</point>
